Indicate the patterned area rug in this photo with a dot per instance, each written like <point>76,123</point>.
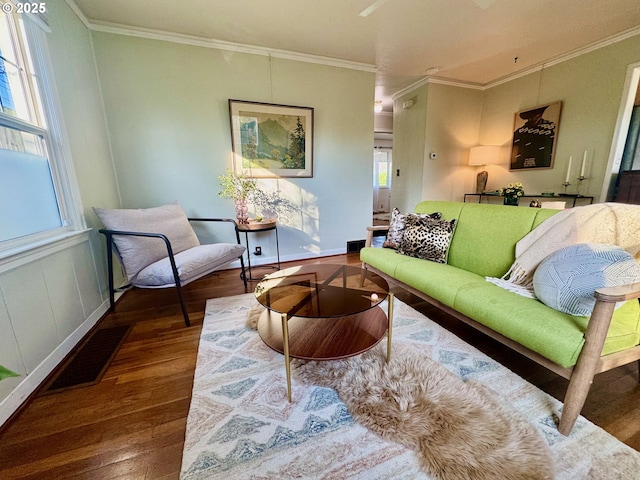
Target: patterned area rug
<point>241,426</point>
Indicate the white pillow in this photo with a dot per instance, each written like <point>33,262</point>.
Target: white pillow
<point>138,252</point>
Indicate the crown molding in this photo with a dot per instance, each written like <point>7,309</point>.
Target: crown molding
<point>514,76</point>
<point>410,88</point>
<point>140,32</point>
<point>192,40</point>
<point>632,32</point>
<point>439,81</point>
<point>79,14</point>
<point>455,83</point>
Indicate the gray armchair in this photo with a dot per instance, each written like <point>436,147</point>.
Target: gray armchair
<point>158,248</point>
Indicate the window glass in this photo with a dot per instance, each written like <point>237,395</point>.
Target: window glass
<point>13,91</point>
<point>382,167</point>
<point>28,202</point>
<point>29,196</point>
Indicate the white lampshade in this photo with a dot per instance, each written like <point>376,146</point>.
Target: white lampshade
<point>377,106</point>
<point>484,155</point>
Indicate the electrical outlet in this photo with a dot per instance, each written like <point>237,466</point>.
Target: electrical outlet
<point>258,251</point>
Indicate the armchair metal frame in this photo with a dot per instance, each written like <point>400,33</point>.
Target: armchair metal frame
<point>109,234</point>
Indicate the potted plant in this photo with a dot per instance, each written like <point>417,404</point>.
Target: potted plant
<point>6,373</point>
<point>512,193</point>
<point>245,190</point>
<point>239,188</point>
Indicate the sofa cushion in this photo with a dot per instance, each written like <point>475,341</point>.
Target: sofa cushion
<point>384,259</point>
<point>397,224</point>
<point>567,279</point>
<point>476,246</point>
<point>191,265</point>
<point>427,238</point>
<point>440,281</point>
<point>553,334</point>
<point>486,237</point>
<point>138,252</point>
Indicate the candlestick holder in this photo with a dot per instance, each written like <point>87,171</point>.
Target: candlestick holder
<point>580,179</point>
<point>565,184</point>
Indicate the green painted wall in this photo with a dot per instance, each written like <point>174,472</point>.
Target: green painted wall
<point>409,127</point>
<point>79,92</point>
<point>167,112</point>
<point>448,120</point>
<point>444,120</point>
<point>453,120</point>
<point>590,87</point>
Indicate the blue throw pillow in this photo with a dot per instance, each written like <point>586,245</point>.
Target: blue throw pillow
<point>567,279</point>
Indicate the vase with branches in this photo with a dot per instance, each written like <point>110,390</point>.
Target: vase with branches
<point>239,188</point>
<point>244,190</point>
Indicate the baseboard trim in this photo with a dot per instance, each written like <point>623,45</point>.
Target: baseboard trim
<point>255,262</point>
<point>12,403</point>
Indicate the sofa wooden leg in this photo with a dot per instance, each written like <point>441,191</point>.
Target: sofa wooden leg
<point>584,371</point>
<point>574,401</point>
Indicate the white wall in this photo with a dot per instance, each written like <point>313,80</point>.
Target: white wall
<point>167,112</point>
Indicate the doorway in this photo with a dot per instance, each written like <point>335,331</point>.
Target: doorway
<point>382,163</point>
<point>630,97</point>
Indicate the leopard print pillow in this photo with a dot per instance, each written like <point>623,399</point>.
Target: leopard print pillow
<point>427,238</point>
<point>397,225</point>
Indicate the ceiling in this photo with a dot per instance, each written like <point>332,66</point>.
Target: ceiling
<point>471,41</point>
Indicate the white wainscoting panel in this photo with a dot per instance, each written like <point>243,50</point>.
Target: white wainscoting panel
<point>46,307</point>
<point>10,355</point>
<point>30,313</point>
<point>88,275</point>
<point>63,292</point>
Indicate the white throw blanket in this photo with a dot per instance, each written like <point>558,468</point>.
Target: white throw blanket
<point>607,223</point>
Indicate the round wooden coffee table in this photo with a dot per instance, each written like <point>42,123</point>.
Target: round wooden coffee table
<point>323,312</point>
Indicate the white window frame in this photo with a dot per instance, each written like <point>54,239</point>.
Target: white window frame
<point>25,249</point>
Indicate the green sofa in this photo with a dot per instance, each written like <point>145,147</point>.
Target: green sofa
<point>483,244</point>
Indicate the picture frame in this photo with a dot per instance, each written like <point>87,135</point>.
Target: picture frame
<point>535,134</point>
<point>270,140</point>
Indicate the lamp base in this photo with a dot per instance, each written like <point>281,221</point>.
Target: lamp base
<point>481,181</point>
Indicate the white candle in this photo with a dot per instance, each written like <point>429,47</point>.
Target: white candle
<point>584,161</point>
<point>569,169</point>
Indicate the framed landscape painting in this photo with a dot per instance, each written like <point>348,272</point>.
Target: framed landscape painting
<point>271,140</point>
<point>535,133</point>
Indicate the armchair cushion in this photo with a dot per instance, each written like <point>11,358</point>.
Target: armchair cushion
<point>191,265</point>
<point>137,253</point>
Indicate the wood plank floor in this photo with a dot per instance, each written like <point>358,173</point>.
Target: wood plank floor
<point>131,425</point>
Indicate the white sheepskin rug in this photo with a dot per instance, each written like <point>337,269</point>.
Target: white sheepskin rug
<point>459,429</point>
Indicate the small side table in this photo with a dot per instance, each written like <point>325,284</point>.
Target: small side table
<point>255,227</point>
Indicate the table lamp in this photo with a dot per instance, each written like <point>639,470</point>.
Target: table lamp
<point>483,155</point>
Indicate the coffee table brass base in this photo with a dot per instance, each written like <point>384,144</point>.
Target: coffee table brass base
<point>325,338</point>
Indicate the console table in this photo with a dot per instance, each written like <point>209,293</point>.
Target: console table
<point>569,198</point>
